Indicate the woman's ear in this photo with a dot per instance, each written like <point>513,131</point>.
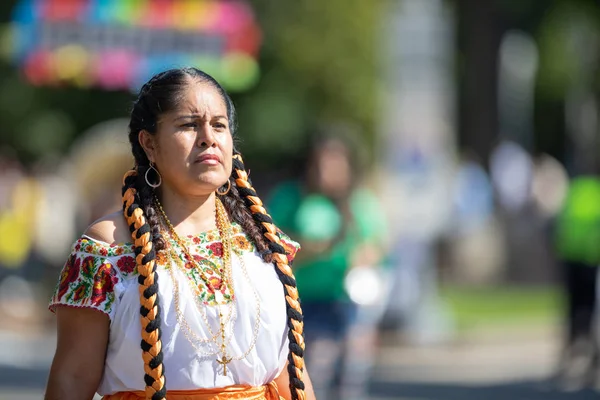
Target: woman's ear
<point>148,143</point>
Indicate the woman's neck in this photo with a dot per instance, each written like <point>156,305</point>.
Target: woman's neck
<point>190,215</point>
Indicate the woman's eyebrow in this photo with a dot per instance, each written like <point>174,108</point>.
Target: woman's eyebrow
<point>195,116</point>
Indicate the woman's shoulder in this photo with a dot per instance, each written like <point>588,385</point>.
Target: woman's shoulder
<point>111,229</point>
<point>107,237</point>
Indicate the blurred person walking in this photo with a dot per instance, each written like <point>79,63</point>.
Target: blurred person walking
<point>193,268</point>
<point>341,228</point>
<point>578,248</point>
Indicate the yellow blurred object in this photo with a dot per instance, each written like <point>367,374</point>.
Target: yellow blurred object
<point>17,223</point>
<point>71,63</point>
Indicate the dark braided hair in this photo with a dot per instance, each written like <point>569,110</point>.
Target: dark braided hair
<point>161,94</point>
<point>284,271</point>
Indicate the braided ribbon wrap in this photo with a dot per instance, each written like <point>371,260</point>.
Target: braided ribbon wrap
<point>294,311</point>
<point>150,310</point>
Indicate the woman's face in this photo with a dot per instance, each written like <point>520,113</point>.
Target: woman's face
<point>333,169</point>
<point>193,147</point>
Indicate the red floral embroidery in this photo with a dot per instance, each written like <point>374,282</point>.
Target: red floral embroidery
<point>87,266</point>
<point>69,274</point>
<point>103,251</point>
<point>189,265</point>
<point>79,293</point>
<point>198,258</point>
<point>104,283</point>
<point>216,248</point>
<point>77,246</point>
<point>126,264</point>
<point>196,240</point>
<point>215,283</point>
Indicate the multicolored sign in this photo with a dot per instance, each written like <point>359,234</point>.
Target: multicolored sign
<point>119,44</point>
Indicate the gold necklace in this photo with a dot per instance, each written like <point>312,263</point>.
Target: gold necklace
<point>189,332</point>
<point>225,231</point>
<point>232,315</point>
<point>197,295</point>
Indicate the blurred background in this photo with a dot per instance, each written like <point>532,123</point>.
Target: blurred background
<point>437,160</point>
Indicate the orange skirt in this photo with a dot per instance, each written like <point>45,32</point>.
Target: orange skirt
<point>267,392</point>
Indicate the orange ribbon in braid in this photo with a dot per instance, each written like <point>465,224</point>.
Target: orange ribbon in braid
<point>148,286</point>
<point>279,257</point>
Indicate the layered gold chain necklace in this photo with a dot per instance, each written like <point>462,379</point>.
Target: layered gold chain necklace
<point>225,274</point>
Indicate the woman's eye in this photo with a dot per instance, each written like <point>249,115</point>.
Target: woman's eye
<point>189,125</point>
<point>220,125</point>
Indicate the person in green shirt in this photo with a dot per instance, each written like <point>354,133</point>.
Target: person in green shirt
<point>340,226</point>
<point>577,239</point>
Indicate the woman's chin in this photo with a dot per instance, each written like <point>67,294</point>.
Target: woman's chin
<point>208,183</point>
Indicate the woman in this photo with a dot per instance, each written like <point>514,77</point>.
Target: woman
<point>186,264</point>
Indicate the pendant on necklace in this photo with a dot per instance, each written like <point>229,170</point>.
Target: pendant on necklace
<point>224,361</point>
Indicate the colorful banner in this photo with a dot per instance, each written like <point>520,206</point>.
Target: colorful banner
<point>119,44</point>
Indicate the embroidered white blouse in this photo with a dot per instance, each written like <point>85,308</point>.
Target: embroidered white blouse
<point>104,277</point>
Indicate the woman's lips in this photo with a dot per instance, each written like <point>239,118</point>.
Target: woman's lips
<point>208,159</point>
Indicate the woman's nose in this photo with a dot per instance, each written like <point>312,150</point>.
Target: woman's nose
<point>206,136</point>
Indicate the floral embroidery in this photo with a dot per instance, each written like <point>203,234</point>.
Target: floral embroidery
<point>211,237</point>
<point>211,270</point>
<point>241,243</point>
<point>87,280</point>
<point>104,283</point>
<point>216,249</point>
<point>79,293</point>
<point>126,264</point>
<point>94,269</point>
<point>215,283</point>
<point>93,247</point>
<point>87,267</point>
<point>190,265</point>
<point>68,275</point>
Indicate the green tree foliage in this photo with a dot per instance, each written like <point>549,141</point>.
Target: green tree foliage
<point>319,64</point>
<point>561,52</point>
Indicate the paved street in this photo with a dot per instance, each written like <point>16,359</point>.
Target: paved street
<point>515,369</point>
<point>490,369</point>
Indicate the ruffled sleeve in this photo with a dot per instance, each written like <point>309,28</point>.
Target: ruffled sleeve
<point>88,279</point>
<point>291,247</point>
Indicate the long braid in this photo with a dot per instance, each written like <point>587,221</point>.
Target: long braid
<point>150,310</point>
<point>238,212</point>
<point>284,271</point>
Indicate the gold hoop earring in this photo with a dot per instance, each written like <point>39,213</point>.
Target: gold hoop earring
<point>226,191</point>
<point>153,185</point>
